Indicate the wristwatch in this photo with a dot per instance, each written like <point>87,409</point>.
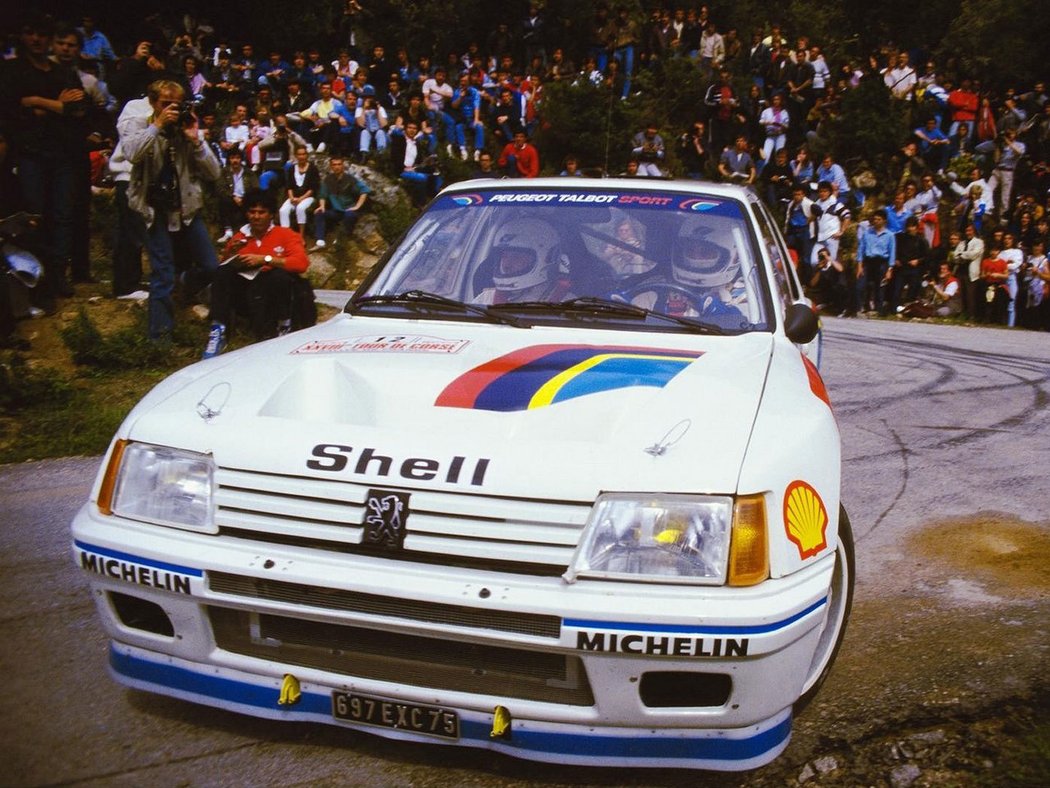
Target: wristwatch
<point>268,259</point>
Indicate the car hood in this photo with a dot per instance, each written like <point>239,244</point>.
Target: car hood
<point>469,407</point>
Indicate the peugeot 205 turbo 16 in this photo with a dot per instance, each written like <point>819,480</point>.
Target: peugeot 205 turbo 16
<point>561,481</point>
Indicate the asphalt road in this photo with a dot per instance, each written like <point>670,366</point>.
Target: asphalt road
<point>946,435</point>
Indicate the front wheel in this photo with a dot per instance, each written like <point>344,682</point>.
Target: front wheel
<point>840,601</point>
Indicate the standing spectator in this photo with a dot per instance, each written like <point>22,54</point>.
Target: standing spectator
<point>466,109</point>
<point>876,249</point>
<point>798,80</point>
<point>721,101</point>
<point>712,51</point>
<point>901,78</point>
<point>342,198</point>
<point>599,37</point>
<point>799,218</point>
<point>96,46</point>
<point>832,221</point>
<point>304,182</point>
<point>775,122</point>
<point>928,201</point>
<point>236,181</point>
<point>261,269</point>
<point>47,103</point>
<point>897,212</point>
<point>962,104</point>
<point>1014,258</point>
<point>128,240</point>
<point>1009,153</point>
<point>649,150</point>
<point>993,301</point>
<point>692,150</point>
<point>533,35</point>
<point>519,158</point>
<point>970,256</point>
<point>909,267</point>
<point>626,37</point>
<point>169,162</point>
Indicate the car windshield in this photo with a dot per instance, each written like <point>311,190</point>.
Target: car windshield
<point>637,259</point>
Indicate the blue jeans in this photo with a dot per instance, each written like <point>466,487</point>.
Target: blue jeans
<point>479,134</point>
<point>626,57</point>
<point>193,237</point>
<point>329,214</point>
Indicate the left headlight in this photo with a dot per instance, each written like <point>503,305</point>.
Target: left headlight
<point>660,538</point>
<point>159,484</point>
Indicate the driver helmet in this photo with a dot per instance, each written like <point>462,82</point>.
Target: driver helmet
<point>699,262</point>
<point>526,253</point>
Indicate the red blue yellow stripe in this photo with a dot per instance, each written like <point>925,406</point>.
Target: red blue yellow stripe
<point>542,375</point>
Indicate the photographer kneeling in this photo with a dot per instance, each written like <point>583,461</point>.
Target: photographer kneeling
<point>259,274</point>
<point>168,162</point>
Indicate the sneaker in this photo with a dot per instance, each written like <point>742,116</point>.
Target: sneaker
<point>448,149</point>
<point>463,154</point>
<point>135,295</point>
<point>321,148</point>
<point>227,235</point>
<point>320,244</point>
<point>216,341</point>
<point>477,155</point>
<point>284,327</point>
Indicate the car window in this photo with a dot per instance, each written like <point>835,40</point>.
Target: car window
<point>784,283</point>
<point>674,254</point>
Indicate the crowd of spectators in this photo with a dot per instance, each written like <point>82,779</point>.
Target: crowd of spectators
<point>968,186</point>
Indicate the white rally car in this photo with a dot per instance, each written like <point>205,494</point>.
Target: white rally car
<point>561,481</point>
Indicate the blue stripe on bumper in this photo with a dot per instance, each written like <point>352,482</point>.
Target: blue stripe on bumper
<point>695,629</point>
<point>136,559</point>
<point>642,748</point>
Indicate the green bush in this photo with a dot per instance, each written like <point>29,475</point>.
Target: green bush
<point>127,348</point>
<point>23,386</point>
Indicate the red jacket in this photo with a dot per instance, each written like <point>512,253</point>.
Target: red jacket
<point>963,104</point>
<point>526,159</point>
<point>278,241</point>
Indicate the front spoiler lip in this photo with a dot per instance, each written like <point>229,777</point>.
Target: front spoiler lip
<point>731,749</point>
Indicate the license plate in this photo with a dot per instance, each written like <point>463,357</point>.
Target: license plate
<point>429,720</point>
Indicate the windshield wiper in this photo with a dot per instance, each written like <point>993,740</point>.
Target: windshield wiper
<point>611,308</point>
<point>421,300</point>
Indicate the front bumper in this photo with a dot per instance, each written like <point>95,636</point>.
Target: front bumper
<point>619,634</point>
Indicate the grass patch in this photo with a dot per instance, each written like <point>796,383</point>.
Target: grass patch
<point>79,421</point>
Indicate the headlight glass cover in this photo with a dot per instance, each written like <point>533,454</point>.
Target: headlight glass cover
<point>656,538</point>
<point>166,486</point>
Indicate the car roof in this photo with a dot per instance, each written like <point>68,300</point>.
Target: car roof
<point>608,184</point>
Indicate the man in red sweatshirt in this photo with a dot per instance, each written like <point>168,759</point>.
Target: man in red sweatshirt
<point>519,158</point>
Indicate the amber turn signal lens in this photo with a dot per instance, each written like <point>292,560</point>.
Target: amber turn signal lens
<point>109,481</point>
<point>749,544</point>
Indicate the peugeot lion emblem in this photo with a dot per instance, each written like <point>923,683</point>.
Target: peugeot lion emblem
<point>385,517</point>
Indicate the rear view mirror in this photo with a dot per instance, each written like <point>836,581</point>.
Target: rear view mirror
<point>801,324</point>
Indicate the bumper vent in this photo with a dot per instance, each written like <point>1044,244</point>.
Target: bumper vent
<point>404,659</point>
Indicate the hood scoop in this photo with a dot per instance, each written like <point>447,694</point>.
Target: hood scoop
<point>323,390</point>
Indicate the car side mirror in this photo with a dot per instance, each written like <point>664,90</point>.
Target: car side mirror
<point>801,323</point>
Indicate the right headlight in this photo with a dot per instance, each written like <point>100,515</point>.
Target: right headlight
<point>159,484</point>
<point>697,539</point>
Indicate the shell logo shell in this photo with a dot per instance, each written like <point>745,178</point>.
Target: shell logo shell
<point>805,519</point>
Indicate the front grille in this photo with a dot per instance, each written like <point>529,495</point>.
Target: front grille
<point>404,659</point>
<point>501,534</point>
<point>374,604</point>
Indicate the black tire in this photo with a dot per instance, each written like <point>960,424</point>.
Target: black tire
<point>840,603</point>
